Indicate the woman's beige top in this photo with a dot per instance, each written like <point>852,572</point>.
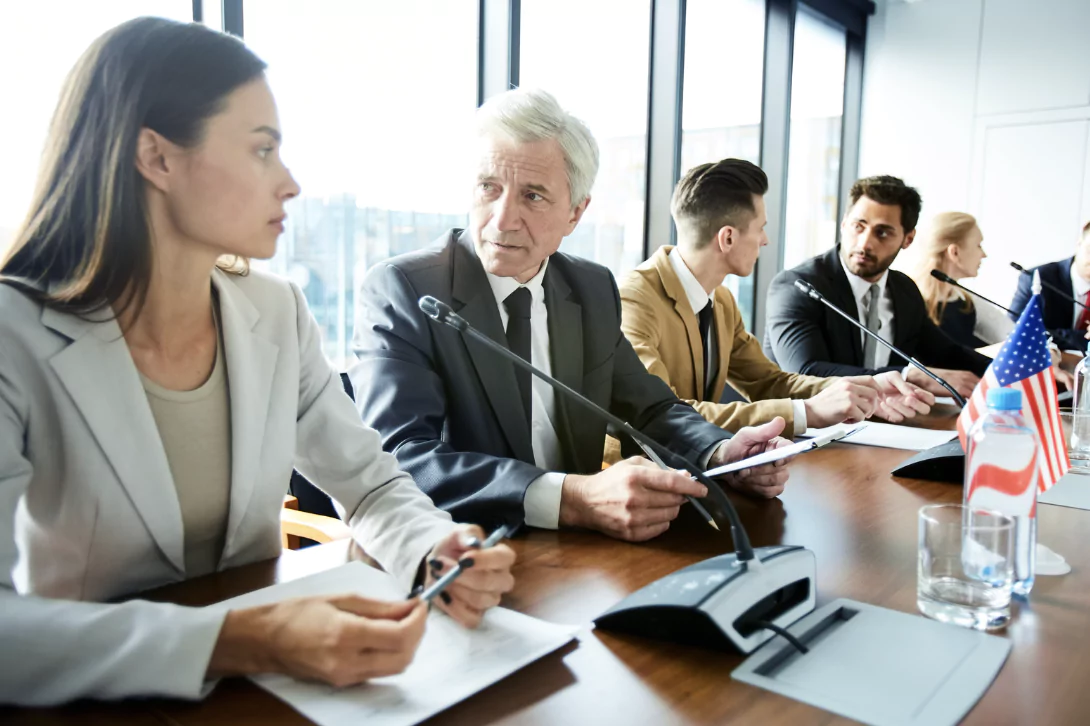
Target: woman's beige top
<point>195,427</point>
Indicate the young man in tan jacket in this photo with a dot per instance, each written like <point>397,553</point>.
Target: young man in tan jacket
<point>686,327</point>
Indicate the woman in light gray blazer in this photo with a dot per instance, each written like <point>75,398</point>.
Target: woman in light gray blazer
<point>155,395</point>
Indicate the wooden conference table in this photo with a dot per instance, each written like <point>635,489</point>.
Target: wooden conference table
<point>840,502</point>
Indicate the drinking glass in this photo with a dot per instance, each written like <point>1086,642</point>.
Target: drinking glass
<point>965,566</point>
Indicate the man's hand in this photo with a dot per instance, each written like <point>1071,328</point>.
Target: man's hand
<point>632,500</point>
<point>847,399</point>
<point>1063,377</point>
<point>767,480</point>
<point>962,381</point>
<point>897,399</point>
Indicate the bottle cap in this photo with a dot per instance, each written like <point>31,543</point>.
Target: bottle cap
<point>1005,399</point>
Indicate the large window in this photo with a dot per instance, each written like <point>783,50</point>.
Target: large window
<point>40,41</point>
<point>376,102</point>
<point>721,108</point>
<point>594,55</point>
<point>817,107</point>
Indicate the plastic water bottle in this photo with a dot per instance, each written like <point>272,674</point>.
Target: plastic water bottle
<point>1001,474</point>
<point>1079,449</point>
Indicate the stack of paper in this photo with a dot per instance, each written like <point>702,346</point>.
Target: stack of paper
<point>872,433</point>
<point>451,665</point>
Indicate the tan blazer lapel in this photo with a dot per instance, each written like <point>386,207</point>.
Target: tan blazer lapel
<point>98,372</point>
<point>251,363</point>
<point>672,286</point>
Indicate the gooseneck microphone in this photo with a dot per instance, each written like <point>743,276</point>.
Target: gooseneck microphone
<point>1050,286</point>
<point>443,313</point>
<point>809,289</point>
<point>733,601</point>
<point>943,277</point>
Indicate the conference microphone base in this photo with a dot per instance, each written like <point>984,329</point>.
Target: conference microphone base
<point>945,463</point>
<point>716,603</point>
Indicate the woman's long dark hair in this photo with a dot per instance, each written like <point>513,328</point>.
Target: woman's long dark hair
<point>86,241</point>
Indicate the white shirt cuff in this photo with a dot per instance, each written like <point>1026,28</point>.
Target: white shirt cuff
<point>542,502</point>
<point>800,416</point>
<point>906,371</point>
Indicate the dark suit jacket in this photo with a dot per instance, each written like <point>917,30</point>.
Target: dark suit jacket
<point>449,409</point>
<point>804,336</point>
<point>1057,311</point>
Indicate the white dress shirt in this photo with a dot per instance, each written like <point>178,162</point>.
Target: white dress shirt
<point>860,288</point>
<point>694,291</point>
<point>1079,288</point>
<point>542,502</point>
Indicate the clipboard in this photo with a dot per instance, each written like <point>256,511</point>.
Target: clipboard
<point>783,452</point>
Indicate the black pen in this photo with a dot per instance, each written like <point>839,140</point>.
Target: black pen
<point>441,584</point>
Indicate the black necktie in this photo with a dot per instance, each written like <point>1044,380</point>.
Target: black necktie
<point>706,320</point>
<point>518,341</point>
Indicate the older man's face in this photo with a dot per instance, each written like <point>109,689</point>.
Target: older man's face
<point>521,206</point>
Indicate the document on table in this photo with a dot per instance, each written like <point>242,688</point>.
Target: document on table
<point>872,433</point>
<point>1072,490</point>
<point>452,663</point>
<point>799,447</point>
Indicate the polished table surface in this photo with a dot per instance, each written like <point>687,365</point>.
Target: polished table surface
<point>840,502</point>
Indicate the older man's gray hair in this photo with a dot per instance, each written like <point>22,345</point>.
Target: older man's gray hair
<point>527,115</point>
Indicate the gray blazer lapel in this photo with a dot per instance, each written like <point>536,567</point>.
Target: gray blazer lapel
<point>473,300</point>
<point>98,372</point>
<point>251,362</point>
<point>566,350</point>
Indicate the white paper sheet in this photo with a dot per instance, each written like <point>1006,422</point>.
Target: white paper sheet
<point>891,436</point>
<point>1072,490</point>
<point>799,447</point>
<point>451,665</point>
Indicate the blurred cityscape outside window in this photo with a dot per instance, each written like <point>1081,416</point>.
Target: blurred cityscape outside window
<point>722,95</point>
<point>813,167</point>
<point>376,103</point>
<point>382,157</point>
<point>593,56</point>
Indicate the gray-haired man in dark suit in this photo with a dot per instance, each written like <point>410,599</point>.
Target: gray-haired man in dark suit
<point>485,441</point>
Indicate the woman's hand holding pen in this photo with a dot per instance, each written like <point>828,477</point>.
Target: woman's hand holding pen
<point>480,586</point>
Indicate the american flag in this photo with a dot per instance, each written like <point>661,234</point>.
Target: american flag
<point>1024,364</point>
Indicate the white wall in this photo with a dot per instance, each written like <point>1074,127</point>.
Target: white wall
<point>984,106</point>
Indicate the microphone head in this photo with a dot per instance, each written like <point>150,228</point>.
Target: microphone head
<point>1018,267</point>
<point>940,275</point>
<point>430,307</point>
<point>441,312</point>
<point>807,288</point>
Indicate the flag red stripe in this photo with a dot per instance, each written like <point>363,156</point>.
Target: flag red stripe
<point>1057,429</point>
<point>1032,409</point>
<point>1054,429</point>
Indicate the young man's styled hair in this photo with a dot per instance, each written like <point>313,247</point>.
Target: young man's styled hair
<point>714,195</point>
<point>887,189</point>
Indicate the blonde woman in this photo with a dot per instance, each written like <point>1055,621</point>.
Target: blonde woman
<point>953,243</point>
